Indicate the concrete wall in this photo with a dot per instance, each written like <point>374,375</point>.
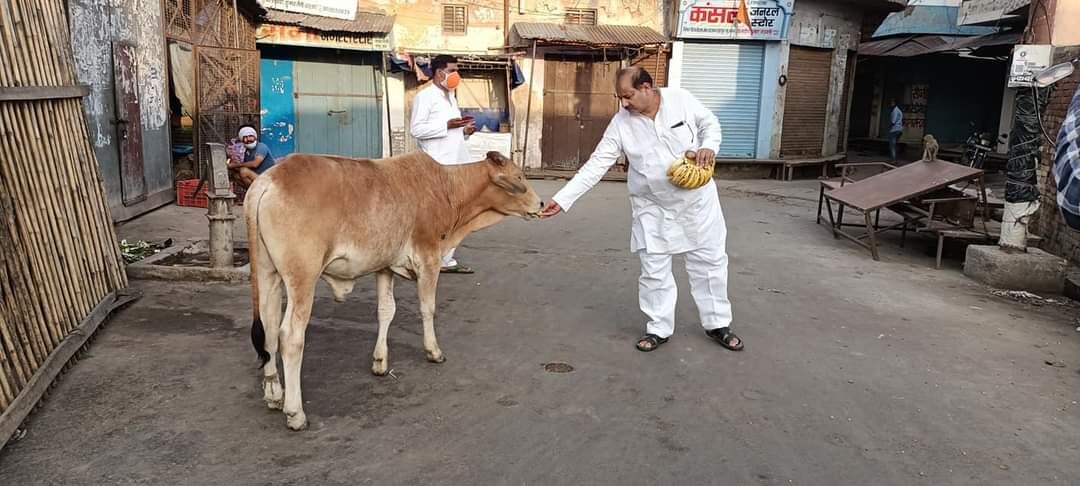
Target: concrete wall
<point>526,118</point>
<point>95,25</point>
<point>1058,237</point>
<point>418,25</point>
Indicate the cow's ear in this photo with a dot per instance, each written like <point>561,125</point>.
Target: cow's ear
<point>497,158</point>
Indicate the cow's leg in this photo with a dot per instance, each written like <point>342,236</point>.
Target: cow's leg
<point>384,284</point>
<point>270,310</point>
<point>301,293</point>
<point>426,282</point>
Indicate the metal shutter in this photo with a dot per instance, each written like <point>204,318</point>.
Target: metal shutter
<point>726,78</point>
<point>806,102</point>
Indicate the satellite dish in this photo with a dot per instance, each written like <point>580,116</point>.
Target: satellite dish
<point>1053,74</point>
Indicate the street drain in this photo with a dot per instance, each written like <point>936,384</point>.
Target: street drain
<point>558,368</point>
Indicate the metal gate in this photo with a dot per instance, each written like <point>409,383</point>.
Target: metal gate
<point>227,95</point>
<point>338,107</point>
<point>806,102</point>
<point>726,78</point>
<point>579,101</point>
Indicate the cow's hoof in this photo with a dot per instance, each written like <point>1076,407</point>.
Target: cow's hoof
<point>296,421</point>
<point>436,357</point>
<point>273,395</point>
<point>379,367</point>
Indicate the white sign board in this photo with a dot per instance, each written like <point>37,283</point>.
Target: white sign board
<point>734,19</point>
<point>1027,60</point>
<point>338,9</point>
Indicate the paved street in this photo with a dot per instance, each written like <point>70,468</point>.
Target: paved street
<point>854,372</point>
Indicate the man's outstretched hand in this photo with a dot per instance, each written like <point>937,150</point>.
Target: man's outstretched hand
<point>551,208</point>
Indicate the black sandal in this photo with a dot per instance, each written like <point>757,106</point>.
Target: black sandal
<point>653,340</point>
<point>724,336</point>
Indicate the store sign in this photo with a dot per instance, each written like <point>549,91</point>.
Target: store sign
<point>1027,60</point>
<point>291,35</point>
<point>338,9</point>
<point>734,19</point>
<point>973,12</point>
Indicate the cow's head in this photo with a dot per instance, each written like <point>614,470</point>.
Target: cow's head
<point>512,194</point>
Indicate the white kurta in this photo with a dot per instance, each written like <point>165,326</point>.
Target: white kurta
<point>667,219</point>
<point>432,108</point>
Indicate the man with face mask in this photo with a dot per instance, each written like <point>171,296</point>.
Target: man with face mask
<point>439,128</point>
<point>655,128</point>
<point>257,158</point>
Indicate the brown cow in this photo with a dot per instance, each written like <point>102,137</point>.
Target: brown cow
<point>334,218</point>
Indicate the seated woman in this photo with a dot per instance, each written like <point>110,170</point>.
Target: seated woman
<point>257,158</point>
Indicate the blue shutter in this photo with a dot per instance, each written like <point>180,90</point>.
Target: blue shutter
<point>726,78</point>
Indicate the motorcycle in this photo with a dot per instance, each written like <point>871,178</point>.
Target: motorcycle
<point>976,148</point>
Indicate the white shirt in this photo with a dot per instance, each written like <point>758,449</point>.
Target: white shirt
<point>667,219</point>
<point>432,108</point>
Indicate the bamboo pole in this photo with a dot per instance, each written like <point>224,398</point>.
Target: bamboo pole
<point>20,274</point>
<point>24,237</point>
<point>61,240</point>
<point>57,30</point>
<point>64,210</point>
<point>80,170</point>
<point>13,61</point>
<point>20,363</point>
<point>58,250</point>
<point>24,326</point>
<point>82,224</point>
<point>23,276</point>
<point>32,42</point>
<point>93,191</point>
<point>7,392</point>
<point>19,355</point>
<point>31,233</point>
<point>36,75</point>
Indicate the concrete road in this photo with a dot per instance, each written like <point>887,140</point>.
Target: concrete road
<point>855,372</point>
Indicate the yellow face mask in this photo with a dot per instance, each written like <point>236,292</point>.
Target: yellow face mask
<point>452,81</point>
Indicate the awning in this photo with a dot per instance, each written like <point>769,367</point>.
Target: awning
<point>927,20</point>
<point>364,23</point>
<point>523,33</point>
<point>934,44</point>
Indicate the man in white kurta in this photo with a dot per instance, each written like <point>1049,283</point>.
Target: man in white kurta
<point>654,128</point>
<point>439,128</point>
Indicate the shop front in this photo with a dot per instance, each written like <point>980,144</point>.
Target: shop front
<point>723,56</point>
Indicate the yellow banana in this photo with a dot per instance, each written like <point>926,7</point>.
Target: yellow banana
<point>702,177</point>
<point>681,175</point>
<point>688,176</point>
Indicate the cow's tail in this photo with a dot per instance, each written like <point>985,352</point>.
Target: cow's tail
<point>256,248</point>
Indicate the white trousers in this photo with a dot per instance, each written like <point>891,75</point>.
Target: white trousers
<point>448,259</point>
<point>657,293</point>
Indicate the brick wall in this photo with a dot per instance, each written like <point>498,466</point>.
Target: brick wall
<point>1057,237</point>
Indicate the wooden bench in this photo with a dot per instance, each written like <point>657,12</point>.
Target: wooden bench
<point>972,236</point>
<point>787,169</point>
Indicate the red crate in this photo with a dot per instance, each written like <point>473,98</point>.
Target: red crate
<point>185,194</point>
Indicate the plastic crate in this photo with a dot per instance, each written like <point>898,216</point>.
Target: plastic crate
<point>185,194</point>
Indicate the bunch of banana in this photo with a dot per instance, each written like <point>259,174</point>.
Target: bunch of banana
<point>685,172</point>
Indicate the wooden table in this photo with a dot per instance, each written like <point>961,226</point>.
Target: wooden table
<point>894,190</point>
